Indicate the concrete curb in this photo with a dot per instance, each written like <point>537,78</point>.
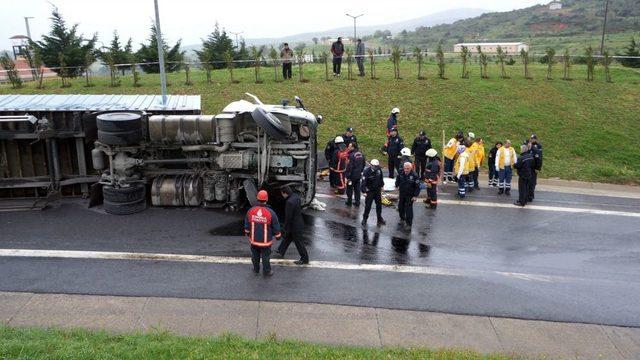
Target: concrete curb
<point>317,323</point>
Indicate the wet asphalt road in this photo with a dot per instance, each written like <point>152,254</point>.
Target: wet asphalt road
<point>570,266</point>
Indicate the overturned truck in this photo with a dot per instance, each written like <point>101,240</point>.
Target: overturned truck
<point>129,151</point>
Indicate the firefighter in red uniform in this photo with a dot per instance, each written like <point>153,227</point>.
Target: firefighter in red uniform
<point>261,226</point>
<point>339,163</point>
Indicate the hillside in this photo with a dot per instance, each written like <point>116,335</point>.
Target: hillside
<point>577,18</point>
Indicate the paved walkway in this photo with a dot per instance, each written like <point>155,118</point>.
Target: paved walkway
<point>329,324</point>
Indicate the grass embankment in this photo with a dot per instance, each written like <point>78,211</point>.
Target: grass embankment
<point>589,130</point>
<point>80,344</point>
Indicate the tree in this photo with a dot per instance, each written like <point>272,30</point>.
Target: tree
<point>88,61</point>
<point>187,72</point>
<point>465,54</point>
<point>372,60</point>
<point>147,55</point>
<point>205,60</point>
<point>590,62</point>
<point>502,56</point>
<point>256,55</point>
<point>551,60</point>
<point>524,54</point>
<point>35,61</point>
<point>229,61</point>
<point>606,61</point>
<point>484,61</point>
<point>325,59</point>
<point>566,62</point>
<point>242,54</point>
<point>66,41</point>
<point>315,41</point>
<point>116,53</point>
<point>417,53</point>
<point>633,50</point>
<point>64,71</point>
<point>300,51</point>
<point>441,62</point>
<point>396,57</point>
<point>274,56</point>
<point>349,54</point>
<point>10,67</point>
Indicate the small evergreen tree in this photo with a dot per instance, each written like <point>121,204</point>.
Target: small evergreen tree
<point>372,60</point>
<point>566,63</point>
<point>590,63</point>
<point>63,71</point>
<point>205,60</point>
<point>484,61</point>
<point>10,68</point>
<point>419,56</point>
<point>256,55</point>
<point>551,60</point>
<point>89,59</point>
<point>215,47</point>
<point>396,57</point>
<point>632,50</point>
<point>465,54</point>
<point>606,61</point>
<point>524,54</point>
<point>147,55</point>
<point>441,62</point>
<point>502,56</point>
<point>229,61</point>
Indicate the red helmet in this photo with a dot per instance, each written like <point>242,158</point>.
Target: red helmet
<point>263,196</point>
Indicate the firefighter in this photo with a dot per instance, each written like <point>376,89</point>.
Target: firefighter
<point>392,121</point>
<point>392,149</point>
<point>461,169</point>
<point>405,156</point>
<point>372,184</point>
<point>491,164</point>
<point>526,167</point>
<point>420,146</point>
<point>408,184</point>
<point>431,177</point>
<point>536,151</point>
<point>353,174</point>
<point>261,226</point>
<point>505,158</point>
<point>350,138</point>
<point>338,165</point>
<point>449,153</point>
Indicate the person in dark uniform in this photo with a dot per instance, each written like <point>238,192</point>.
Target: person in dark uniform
<point>392,149</point>
<point>536,151</point>
<point>419,148</point>
<point>372,184</point>
<point>353,174</point>
<point>525,167</point>
<point>392,121</point>
<point>405,156</point>
<point>493,171</point>
<point>293,226</point>
<point>431,177</point>
<point>350,138</point>
<point>261,226</point>
<point>408,183</point>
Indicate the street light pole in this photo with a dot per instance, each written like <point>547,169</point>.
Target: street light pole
<point>604,26</point>
<point>163,75</point>
<point>355,34</point>
<point>236,34</point>
<point>26,22</point>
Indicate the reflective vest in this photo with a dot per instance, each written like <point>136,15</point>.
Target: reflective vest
<point>502,156</point>
<point>450,151</point>
<point>456,167</point>
<point>479,154</point>
<point>472,155</point>
<point>261,225</point>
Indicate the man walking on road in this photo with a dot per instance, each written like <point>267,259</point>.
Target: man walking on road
<point>337,49</point>
<point>286,55</point>
<point>293,226</point>
<point>372,184</point>
<point>408,182</point>
<point>525,167</point>
<point>261,226</point>
<point>353,174</point>
<point>360,57</point>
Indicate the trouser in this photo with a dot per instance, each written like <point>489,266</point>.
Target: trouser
<point>421,164</point>
<point>523,190</point>
<point>532,186</point>
<point>360,61</point>
<point>462,186</point>
<point>470,183</point>
<point>448,169</point>
<point>353,191</point>
<point>368,201</point>
<point>493,175</point>
<point>334,179</point>
<point>476,174</point>
<point>432,193</point>
<point>337,64</point>
<point>393,162</point>
<point>504,178</point>
<point>296,238</point>
<point>405,208</point>
<point>286,70</point>
<point>263,253</point>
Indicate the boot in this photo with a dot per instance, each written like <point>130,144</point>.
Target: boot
<point>508,192</point>
<point>364,222</point>
<point>501,191</point>
<point>381,222</point>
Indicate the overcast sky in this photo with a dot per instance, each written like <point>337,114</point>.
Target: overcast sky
<point>191,20</point>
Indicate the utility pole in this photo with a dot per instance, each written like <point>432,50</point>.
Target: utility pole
<point>604,26</point>
<point>163,75</point>
<point>355,34</point>
<point>26,22</point>
<point>236,34</point>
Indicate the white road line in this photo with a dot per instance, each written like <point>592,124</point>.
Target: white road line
<point>422,270</point>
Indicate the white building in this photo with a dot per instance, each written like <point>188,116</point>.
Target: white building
<point>555,5</point>
<point>492,48</point>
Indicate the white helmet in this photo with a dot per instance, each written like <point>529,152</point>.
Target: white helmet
<point>395,110</point>
<point>431,153</point>
<point>405,152</point>
<point>339,140</point>
<point>472,135</point>
<point>375,162</point>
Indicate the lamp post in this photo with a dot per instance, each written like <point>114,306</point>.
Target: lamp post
<point>604,26</point>
<point>355,34</point>
<point>163,75</point>
<point>26,22</point>
<point>236,34</point>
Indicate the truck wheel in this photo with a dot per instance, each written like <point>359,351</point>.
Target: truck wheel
<point>270,124</point>
<point>132,193</point>
<point>129,137</point>
<point>119,121</point>
<point>127,208</point>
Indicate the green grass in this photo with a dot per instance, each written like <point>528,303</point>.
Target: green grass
<point>80,344</point>
<point>588,129</point>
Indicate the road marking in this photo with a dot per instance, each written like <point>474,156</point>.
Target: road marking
<point>422,270</point>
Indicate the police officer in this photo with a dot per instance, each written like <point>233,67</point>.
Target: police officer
<point>350,138</point>
<point>392,149</point>
<point>405,156</point>
<point>525,167</point>
<point>261,226</point>
<point>408,182</point>
<point>293,226</point>
<point>419,148</point>
<point>431,177</point>
<point>353,174</point>
<point>371,187</point>
<point>536,151</point>
<point>392,121</point>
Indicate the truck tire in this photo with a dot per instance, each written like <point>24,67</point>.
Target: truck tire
<point>129,137</point>
<point>270,124</point>
<point>132,193</point>
<point>127,208</point>
<point>119,121</point>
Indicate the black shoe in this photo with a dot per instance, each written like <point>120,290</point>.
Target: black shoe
<point>518,203</point>
<point>477,187</point>
<point>508,192</point>
<point>256,271</point>
<point>364,223</point>
<point>270,273</point>
<point>301,262</point>
<point>277,253</point>
<point>501,191</point>
<point>356,204</point>
<point>348,203</point>
<point>530,200</point>
<point>381,222</point>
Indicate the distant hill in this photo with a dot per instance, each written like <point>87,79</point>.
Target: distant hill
<point>576,18</point>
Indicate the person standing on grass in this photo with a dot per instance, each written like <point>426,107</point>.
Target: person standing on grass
<point>392,121</point>
<point>337,49</point>
<point>491,164</point>
<point>525,167</point>
<point>360,57</point>
<point>419,149</point>
<point>293,226</point>
<point>286,55</point>
<point>261,226</point>
<point>505,159</point>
